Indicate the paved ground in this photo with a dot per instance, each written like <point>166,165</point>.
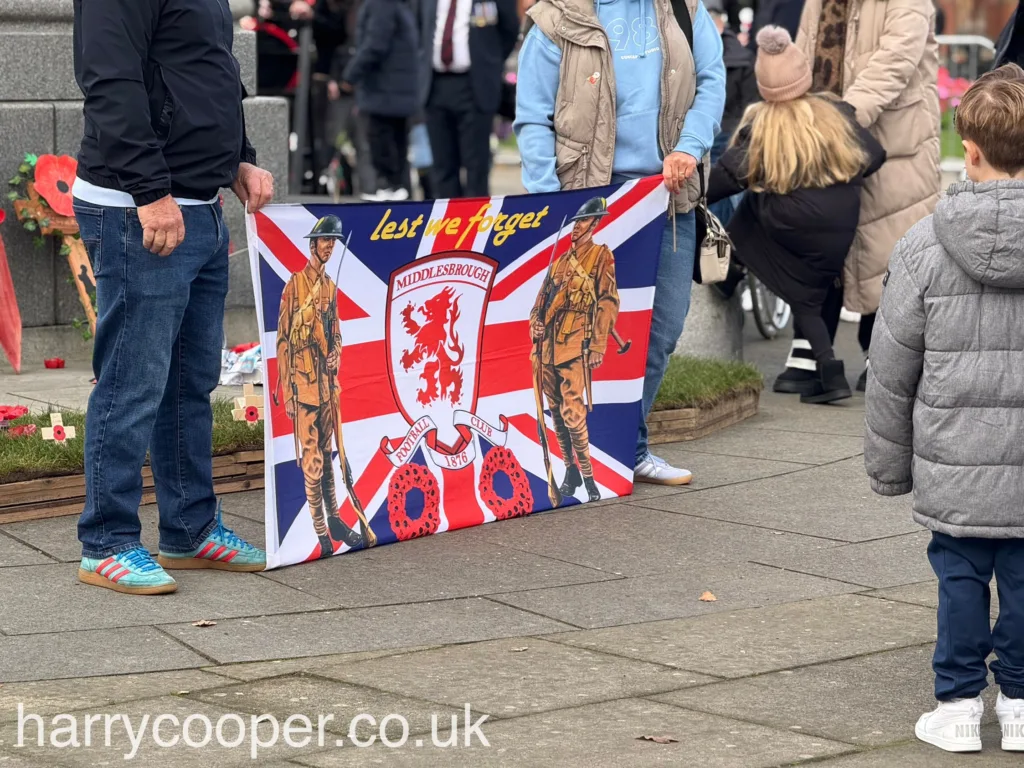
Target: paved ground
<point>577,632</point>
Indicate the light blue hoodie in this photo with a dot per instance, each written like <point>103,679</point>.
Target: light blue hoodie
<point>636,50</point>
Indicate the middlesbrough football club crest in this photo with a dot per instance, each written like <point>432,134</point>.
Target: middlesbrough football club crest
<point>434,332</point>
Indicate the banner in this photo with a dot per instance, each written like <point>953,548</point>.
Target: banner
<point>432,366</point>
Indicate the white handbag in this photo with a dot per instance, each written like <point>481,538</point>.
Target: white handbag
<point>714,248</point>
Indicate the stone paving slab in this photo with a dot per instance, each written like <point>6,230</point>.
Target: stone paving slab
<point>759,640</point>
<point>513,677</point>
<point>785,413</point>
<point>605,736</point>
<point>14,553</point>
<point>50,697</point>
<point>926,593</point>
<point>712,470</point>
<point>916,754</point>
<point>629,540</point>
<point>49,598</point>
<point>258,670</point>
<point>832,501</point>
<point>881,563</point>
<point>673,594</point>
<point>361,629</point>
<point>181,755</point>
<point>249,504</point>
<point>313,697</point>
<point>773,445</point>
<point>96,653</point>
<point>870,700</point>
<point>432,568</point>
<point>58,536</point>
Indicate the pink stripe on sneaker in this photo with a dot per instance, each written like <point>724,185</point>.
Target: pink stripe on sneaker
<point>216,554</point>
<point>206,549</point>
<point>104,564</point>
<point>230,557</point>
<point>109,569</point>
<point>118,576</point>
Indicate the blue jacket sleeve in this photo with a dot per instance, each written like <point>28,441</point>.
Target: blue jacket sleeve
<point>704,118</point>
<point>536,90</point>
<point>114,39</point>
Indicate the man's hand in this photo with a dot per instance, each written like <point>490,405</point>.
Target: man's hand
<point>254,186</point>
<point>301,10</point>
<point>333,91</point>
<point>678,169</point>
<point>163,229</point>
<point>289,409</point>
<point>333,360</point>
<point>537,330</point>
<point>596,358</point>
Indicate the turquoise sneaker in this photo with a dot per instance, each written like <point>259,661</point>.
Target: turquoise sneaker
<point>223,550</point>
<point>133,572</point>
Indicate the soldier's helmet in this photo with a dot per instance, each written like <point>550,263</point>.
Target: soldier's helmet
<point>594,208</point>
<point>328,226</point>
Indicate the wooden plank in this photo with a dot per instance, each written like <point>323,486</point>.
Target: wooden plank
<point>249,457</point>
<point>708,421</point>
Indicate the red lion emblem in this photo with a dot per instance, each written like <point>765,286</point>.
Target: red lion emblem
<point>437,341</point>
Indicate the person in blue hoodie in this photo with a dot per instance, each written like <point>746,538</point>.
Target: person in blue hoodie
<point>626,50</point>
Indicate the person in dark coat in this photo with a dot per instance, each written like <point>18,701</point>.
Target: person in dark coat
<point>740,92</point>
<point>1010,45</point>
<point>779,13</point>
<point>384,73</point>
<point>802,159</point>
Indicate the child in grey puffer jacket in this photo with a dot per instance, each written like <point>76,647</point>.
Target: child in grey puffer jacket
<point>945,411</point>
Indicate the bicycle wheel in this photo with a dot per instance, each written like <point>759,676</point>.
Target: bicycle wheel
<point>771,314</point>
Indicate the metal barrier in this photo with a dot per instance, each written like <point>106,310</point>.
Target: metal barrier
<point>961,54</point>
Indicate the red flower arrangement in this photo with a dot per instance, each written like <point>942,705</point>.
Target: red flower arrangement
<point>12,412</point>
<point>23,430</point>
<point>53,179</point>
<point>409,477</point>
<point>521,503</point>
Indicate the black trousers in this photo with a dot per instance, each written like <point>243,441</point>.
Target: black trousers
<point>820,330</point>
<point>460,137</point>
<point>389,148</point>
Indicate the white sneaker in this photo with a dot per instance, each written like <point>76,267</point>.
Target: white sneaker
<point>849,317</point>
<point>372,197</point>
<point>746,301</point>
<point>398,195</point>
<point>954,726</point>
<point>657,471</point>
<point>1011,721</point>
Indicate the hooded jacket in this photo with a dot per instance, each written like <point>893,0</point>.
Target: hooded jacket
<point>385,75</point>
<point>945,397</point>
<point>607,89</point>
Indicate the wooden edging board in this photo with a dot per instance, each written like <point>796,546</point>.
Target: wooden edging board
<point>692,423</point>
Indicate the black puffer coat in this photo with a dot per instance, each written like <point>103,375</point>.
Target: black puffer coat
<point>795,244</point>
<point>384,68</point>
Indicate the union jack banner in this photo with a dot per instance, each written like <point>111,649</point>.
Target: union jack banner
<point>428,365</point>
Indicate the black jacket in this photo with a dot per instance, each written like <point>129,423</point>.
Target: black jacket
<point>795,244</point>
<point>1010,45</point>
<point>163,97</point>
<point>740,83</point>
<point>385,68</point>
<point>490,44</point>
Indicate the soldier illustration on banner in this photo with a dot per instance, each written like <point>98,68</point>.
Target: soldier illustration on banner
<point>309,357</point>
<point>570,324</point>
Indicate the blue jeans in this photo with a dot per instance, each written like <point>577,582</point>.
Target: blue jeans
<point>671,303</point>
<point>965,637</point>
<point>156,357</point>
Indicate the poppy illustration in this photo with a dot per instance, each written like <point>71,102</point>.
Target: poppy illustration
<point>252,414</point>
<point>54,177</point>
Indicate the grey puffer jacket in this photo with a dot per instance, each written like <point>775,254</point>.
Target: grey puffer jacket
<point>945,399</point>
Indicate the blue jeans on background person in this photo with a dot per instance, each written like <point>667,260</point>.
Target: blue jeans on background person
<point>159,334</point>
<point>725,208</point>
<point>965,634</point>
<point>671,304</point>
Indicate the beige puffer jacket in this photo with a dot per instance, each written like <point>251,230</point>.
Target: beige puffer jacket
<point>890,78</point>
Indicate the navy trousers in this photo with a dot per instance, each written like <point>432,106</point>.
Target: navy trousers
<point>965,633</point>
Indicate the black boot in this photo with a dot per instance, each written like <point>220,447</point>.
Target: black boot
<point>831,384</point>
<point>573,480</point>
<point>341,532</point>
<point>862,381</point>
<point>592,491</point>
<point>326,546</point>
<point>795,381</point>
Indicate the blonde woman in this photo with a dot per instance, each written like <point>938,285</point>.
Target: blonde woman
<point>802,159</point>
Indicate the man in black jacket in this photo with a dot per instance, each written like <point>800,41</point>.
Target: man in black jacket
<point>164,131</point>
<point>1010,45</point>
<point>463,48</point>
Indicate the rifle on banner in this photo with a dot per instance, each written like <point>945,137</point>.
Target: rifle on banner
<point>623,345</point>
<point>346,469</point>
<point>295,394</point>
<point>538,388</point>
